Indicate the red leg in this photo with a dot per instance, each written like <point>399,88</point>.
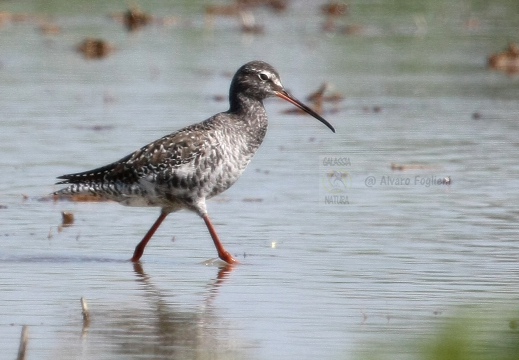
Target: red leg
<point>222,253</point>
<point>139,249</point>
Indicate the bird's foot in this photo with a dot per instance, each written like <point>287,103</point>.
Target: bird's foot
<point>227,257</point>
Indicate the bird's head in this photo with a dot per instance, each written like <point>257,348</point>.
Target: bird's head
<point>258,80</point>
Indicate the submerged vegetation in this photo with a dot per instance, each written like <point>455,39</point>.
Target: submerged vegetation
<point>485,335</point>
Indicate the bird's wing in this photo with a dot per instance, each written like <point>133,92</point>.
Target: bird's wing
<point>169,152</point>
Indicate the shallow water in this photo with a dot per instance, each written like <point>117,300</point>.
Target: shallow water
<point>384,265</point>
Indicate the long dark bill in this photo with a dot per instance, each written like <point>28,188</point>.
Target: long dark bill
<point>286,96</point>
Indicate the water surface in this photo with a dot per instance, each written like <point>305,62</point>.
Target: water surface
<point>318,280</point>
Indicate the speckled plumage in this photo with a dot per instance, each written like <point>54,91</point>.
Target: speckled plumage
<point>183,169</point>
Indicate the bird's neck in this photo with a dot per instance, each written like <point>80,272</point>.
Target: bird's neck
<point>253,115</point>
<point>240,103</point>
<point>248,109</point>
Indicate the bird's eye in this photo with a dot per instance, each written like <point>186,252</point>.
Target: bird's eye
<point>263,76</point>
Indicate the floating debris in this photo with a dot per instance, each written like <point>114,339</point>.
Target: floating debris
<point>335,9</point>
<point>220,98</point>
<point>237,10</point>
<point>332,12</point>
<point>252,200</point>
<point>374,109</point>
<point>24,341</point>
<point>6,17</point>
<point>248,23</point>
<point>317,99</point>
<point>101,127</point>
<point>49,29</point>
<point>472,23</point>
<point>321,94</point>
<point>405,167</point>
<point>353,29</point>
<point>95,127</point>
<point>231,10</point>
<point>85,312</point>
<point>95,48</point>
<point>67,218</point>
<point>134,19</point>
<point>506,61</point>
<point>3,206</point>
<point>275,5</point>
<point>241,10</point>
<point>86,317</point>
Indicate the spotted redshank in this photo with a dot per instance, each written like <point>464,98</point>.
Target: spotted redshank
<point>184,169</point>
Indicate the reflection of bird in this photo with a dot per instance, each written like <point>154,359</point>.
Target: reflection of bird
<point>183,169</point>
<point>336,180</point>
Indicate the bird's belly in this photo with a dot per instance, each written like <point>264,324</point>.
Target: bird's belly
<point>221,182</point>
<point>225,175</point>
<point>206,180</point>
<point>183,186</point>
